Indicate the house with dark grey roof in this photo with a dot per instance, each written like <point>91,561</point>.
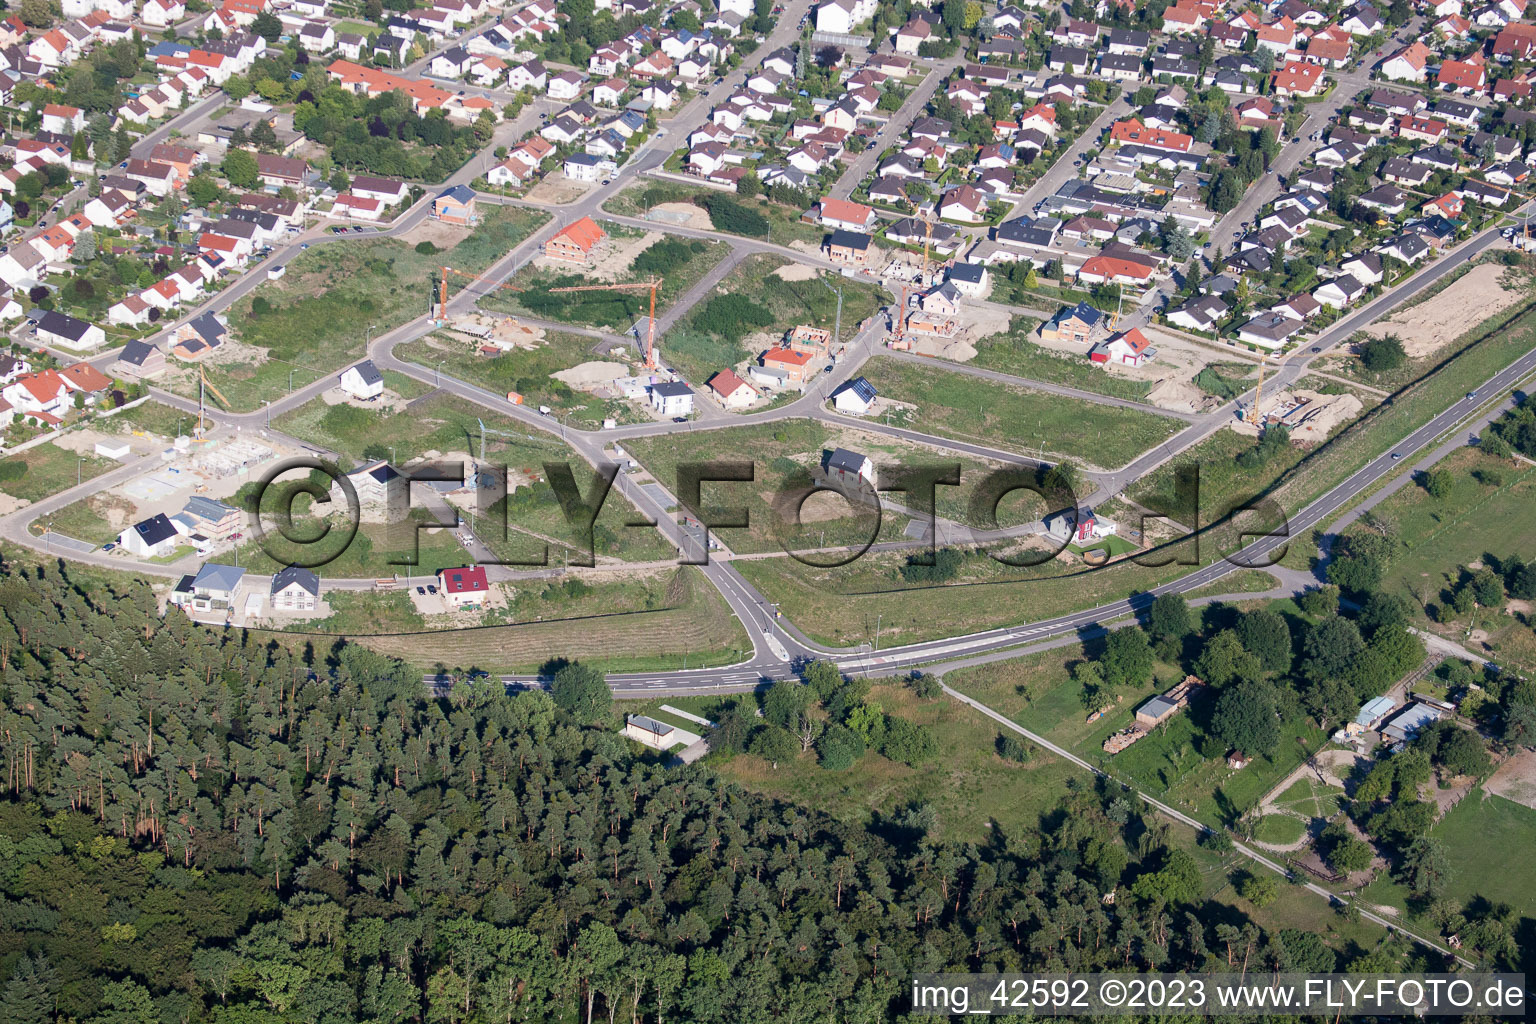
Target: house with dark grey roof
<point>849,469</point>
<point>150,538</point>
<point>363,381</point>
<point>295,589</point>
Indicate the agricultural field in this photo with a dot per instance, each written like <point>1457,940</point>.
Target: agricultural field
<point>1016,418</point>
<point>46,470</point>
<point>757,302</point>
<point>316,319</point>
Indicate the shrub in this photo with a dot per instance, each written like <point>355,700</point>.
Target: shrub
<point>731,316</point>
<point>426,248</point>
<point>729,215</point>
<point>12,469</point>
<point>1381,354</point>
<point>946,566</point>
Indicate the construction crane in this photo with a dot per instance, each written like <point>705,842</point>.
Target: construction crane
<point>204,383</point>
<point>1258,393</point>
<point>442,291</point>
<point>652,285</point>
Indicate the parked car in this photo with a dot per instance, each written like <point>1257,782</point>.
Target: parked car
<point>431,588</point>
<point>108,546</point>
<point>422,591</point>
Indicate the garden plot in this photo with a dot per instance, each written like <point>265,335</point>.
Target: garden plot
<point>1430,325</point>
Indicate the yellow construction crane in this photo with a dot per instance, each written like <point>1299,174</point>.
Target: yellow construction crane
<point>1258,393</point>
<point>203,383</point>
<point>442,291</point>
<point>651,285</point>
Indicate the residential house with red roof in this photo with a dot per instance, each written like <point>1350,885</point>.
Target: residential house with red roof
<point>1466,77</point>
<point>464,587</point>
<point>575,243</point>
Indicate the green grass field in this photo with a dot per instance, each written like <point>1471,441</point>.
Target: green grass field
<point>753,297</point>
<point>844,606</point>
<point>983,412</point>
<point>46,470</point>
<point>690,624</point>
<point>449,425</point>
<point>315,319</point>
<point>784,224</point>
<point>1016,352</point>
<point>87,518</point>
<point>1279,829</point>
<point>150,418</point>
<point>780,452</point>
<point>680,262</point>
<point>378,550</point>
<point>526,371</point>
<point>968,784</point>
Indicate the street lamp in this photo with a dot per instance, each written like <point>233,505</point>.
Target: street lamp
<point>290,379</point>
<point>368,336</point>
<point>78,463</point>
<point>437,375</point>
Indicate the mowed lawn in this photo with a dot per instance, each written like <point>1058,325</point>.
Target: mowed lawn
<point>316,319</point>
<point>968,408</point>
<point>968,783</point>
<point>46,470</point>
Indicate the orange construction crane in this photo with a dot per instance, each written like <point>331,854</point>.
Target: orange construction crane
<point>442,291</point>
<point>652,285</point>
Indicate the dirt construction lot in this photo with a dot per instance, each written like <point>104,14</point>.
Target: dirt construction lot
<point>1516,779</point>
<point>1429,325</point>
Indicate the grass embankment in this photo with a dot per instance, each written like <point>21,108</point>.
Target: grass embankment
<point>316,319</point>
